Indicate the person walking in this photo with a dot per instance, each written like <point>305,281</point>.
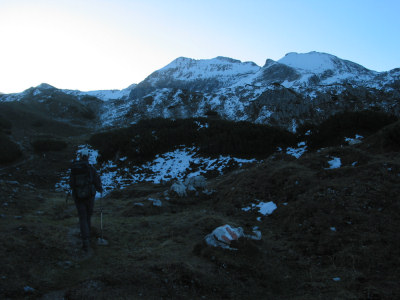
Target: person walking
<point>84,182</point>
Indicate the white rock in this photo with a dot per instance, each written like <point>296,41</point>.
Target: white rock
<point>179,188</point>
<point>195,182</point>
<point>223,236</point>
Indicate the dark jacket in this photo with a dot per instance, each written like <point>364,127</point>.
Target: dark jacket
<point>96,181</point>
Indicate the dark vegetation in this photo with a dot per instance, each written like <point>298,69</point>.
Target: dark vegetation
<point>46,145</point>
<point>332,131</point>
<point>9,150</point>
<point>144,140</point>
<point>5,125</point>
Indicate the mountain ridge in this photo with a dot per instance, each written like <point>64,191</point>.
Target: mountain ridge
<point>298,87</point>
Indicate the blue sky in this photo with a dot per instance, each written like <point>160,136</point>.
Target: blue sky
<point>99,44</point>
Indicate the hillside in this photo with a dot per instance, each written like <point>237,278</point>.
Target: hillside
<point>333,234</point>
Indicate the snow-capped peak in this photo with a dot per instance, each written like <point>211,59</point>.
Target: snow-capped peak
<point>318,62</point>
<point>218,65</point>
<point>313,62</point>
<point>201,75</point>
<point>104,95</point>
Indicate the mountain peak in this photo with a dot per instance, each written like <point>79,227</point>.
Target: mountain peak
<point>269,62</point>
<point>314,62</point>
<point>45,86</point>
<point>184,62</point>
<point>197,73</point>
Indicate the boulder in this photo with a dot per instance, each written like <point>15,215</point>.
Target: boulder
<point>178,188</point>
<point>195,182</point>
<point>223,236</point>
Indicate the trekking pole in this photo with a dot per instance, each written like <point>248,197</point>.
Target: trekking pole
<point>101,215</point>
<point>101,241</point>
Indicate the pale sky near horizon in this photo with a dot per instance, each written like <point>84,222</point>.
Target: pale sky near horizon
<point>110,44</point>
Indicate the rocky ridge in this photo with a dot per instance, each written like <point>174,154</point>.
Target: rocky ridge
<point>298,88</point>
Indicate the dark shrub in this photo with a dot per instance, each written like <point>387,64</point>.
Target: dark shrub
<point>88,114</point>
<point>142,141</point>
<point>9,151</point>
<point>211,113</point>
<point>46,145</point>
<point>333,130</point>
<point>5,125</point>
<point>242,139</point>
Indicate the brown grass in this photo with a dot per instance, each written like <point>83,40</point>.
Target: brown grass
<point>159,252</point>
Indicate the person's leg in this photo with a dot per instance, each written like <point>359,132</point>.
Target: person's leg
<point>90,207</point>
<point>81,206</point>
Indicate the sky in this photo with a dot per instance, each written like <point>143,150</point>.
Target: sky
<point>111,44</point>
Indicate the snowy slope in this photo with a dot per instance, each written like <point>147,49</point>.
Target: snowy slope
<point>313,70</point>
<point>204,75</point>
<point>104,95</point>
<point>225,69</point>
<point>318,63</point>
<point>45,90</point>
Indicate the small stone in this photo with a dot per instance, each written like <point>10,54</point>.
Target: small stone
<point>28,289</point>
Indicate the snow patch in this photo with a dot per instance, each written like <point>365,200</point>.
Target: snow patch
<point>264,208</point>
<point>93,154</point>
<point>336,279</point>
<point>353,141</point>
<point>297,152</point>
<point>334,163</point>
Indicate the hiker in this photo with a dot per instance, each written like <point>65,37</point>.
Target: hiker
<point>84,182</point>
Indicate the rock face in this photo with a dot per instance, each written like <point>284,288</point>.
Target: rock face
<point>295,89</point>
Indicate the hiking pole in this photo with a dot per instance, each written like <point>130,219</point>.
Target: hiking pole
<point>101,222</point>
<point>101,241</point>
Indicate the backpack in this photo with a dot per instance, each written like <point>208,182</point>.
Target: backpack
<point>82,180</point>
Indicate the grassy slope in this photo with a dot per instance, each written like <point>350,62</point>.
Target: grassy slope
<point>158,252</point>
